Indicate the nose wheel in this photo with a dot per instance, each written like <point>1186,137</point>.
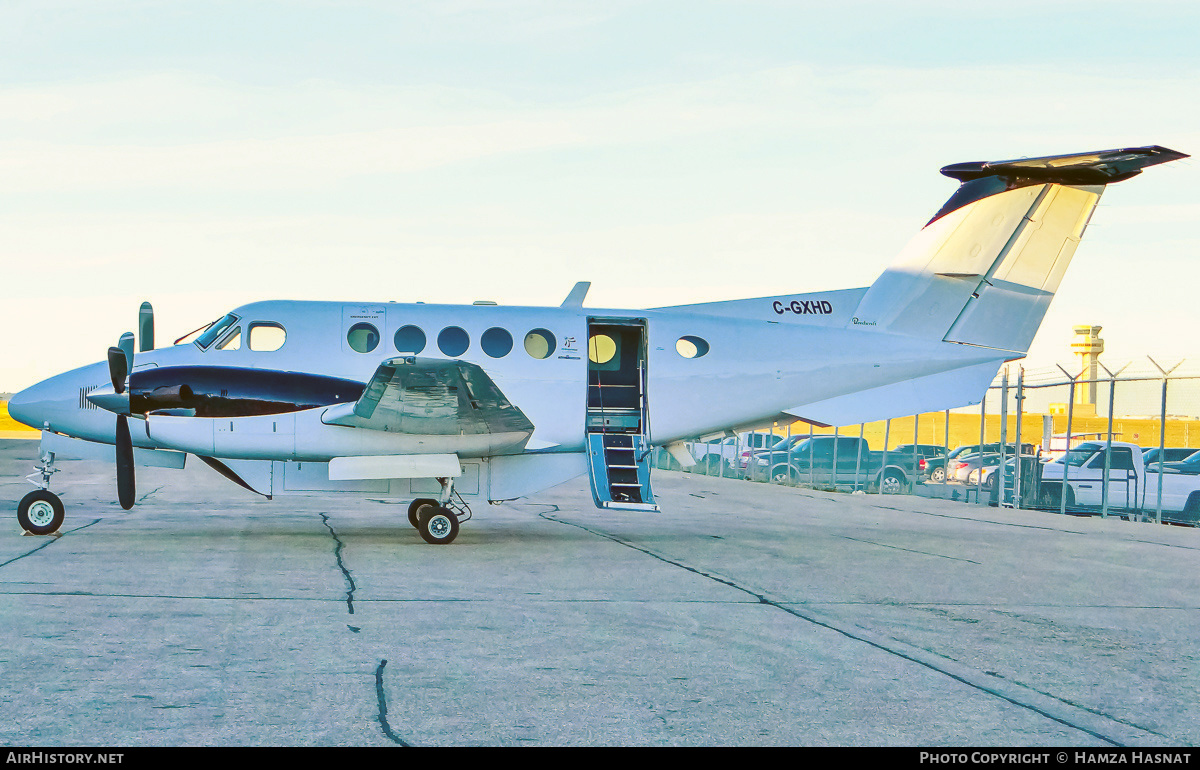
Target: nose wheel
<point>40,512</point>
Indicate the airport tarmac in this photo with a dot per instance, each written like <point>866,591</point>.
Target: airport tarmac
<point>742,614</point>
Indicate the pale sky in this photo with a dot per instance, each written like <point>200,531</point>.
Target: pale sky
<point>205,154</point>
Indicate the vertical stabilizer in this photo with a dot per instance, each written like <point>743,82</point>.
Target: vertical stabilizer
<point>984,269</point>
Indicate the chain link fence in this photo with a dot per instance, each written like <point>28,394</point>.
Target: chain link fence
<point>1107,442</point>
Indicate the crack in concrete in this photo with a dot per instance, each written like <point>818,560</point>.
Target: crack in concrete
<point>381,698</point>
<point>54,539</point>
<point>894,647</point>
<point>337,555</point>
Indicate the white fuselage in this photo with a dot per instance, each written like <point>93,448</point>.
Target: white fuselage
<point>764,362</point>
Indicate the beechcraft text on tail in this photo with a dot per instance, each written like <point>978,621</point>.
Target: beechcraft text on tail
<point>448,405</point>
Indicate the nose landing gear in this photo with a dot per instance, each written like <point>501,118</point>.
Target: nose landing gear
<point>41,511</point>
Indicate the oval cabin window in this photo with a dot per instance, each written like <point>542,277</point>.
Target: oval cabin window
<point>691,347</point>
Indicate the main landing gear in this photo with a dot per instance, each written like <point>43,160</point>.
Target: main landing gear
<point>438,520</point>
<point>41,511</point>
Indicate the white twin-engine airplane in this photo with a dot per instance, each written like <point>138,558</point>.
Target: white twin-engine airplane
<point>444,404</point>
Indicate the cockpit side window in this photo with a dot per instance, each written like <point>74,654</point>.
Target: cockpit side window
<point>266,336</point>
<point>215,331</point>
<point>232,342</point>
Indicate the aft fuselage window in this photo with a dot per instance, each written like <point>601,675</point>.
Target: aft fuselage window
<point>363,337</point>
<point>265,337</point>
<point>496,342</point>
<point>453,341</point>
<point>691,347</point>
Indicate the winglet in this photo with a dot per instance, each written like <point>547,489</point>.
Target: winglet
<point>575,298</point>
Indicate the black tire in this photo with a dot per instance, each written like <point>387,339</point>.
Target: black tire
<point>937,475</point>
<point>1191,511</point>
<point>414,508</point>
<point>783,474</point>
<point>438,527</point>
<point>1051,497</point>
<point>990,483</point>
<point>40,512</point>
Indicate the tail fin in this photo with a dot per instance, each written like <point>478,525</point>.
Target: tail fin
<point>984,269</point>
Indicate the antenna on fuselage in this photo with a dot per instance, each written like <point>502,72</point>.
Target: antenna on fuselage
<point>575,298</point>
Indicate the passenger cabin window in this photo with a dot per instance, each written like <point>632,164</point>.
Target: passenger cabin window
<point>496,342</point>
<point>453,341</point>
<point>363,337</point>
<point>409,339</point>
<point>539,343</point>
<point>266,337</point>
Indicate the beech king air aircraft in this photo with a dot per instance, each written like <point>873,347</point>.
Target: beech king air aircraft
<point>444,404</point>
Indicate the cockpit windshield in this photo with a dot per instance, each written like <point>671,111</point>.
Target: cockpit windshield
<point>215,331</point>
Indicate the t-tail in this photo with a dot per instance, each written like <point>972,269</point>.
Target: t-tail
<point>984,269</point>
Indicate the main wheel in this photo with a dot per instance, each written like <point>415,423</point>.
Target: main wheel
<point>40,512</point>
<point>438,527</point>
<point>414,510</point>
<point>784,474</point>
<point>937,475</point>
<point>892,483</point>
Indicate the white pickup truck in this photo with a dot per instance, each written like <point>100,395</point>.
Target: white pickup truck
<point>1132,490</point>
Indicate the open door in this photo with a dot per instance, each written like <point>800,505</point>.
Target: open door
<point>617,429</point>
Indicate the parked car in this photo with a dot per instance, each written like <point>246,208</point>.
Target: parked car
<point>960,470</point>
<point>1190,466</point>
<point>935,467</point>
<point>990,471</point>
<point>728,456</point>
<point>1170,454</point>
<point>834,461</point>
<point>923,453</point>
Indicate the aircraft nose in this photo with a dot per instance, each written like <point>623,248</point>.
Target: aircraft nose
<point>25,408</point>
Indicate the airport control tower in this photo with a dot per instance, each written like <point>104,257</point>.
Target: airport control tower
<point>1088,346</point>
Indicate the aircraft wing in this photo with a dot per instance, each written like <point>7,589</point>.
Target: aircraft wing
<point>435,397</point>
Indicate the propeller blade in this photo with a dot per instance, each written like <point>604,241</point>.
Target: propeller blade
<point>126,344</point>
<point>126,488</point>
<point>146,328</point>
<point>118,369</point>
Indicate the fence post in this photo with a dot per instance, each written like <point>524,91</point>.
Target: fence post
<point>1062,495</point>
<point>1019,464</point>
<point>999,483</point>
<point>887,431</point>
<point>858,455</point>
<point>982,434</point>
<point>946,447</point>
<point>834,467</point>
<point>1112,392</point>
<point>811,478</point>
<point>1162,435</point>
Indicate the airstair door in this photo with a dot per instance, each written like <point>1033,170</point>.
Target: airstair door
<point>618,433</point>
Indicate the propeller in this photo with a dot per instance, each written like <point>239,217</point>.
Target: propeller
<point>120,364</point>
